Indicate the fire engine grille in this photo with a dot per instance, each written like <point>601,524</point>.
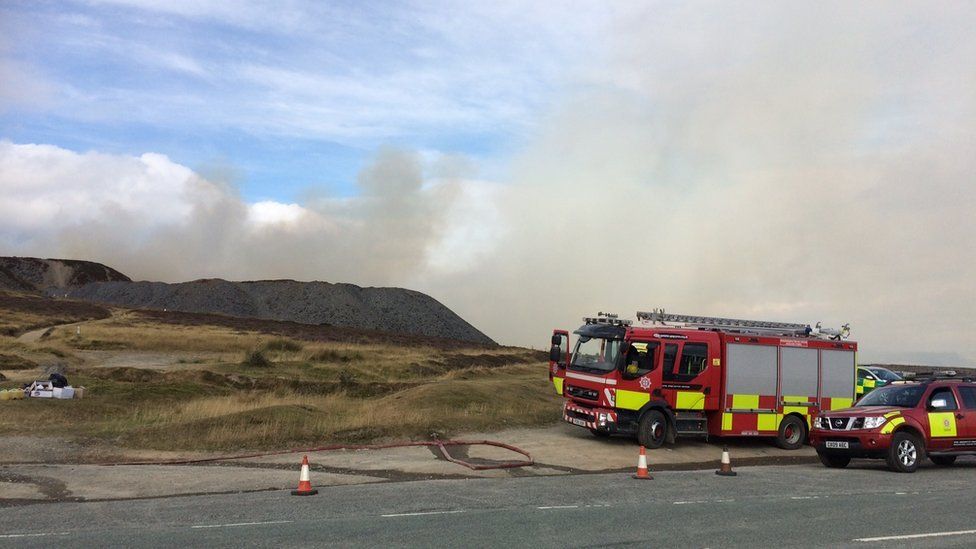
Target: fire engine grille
<point>579,415</point>
<point>579,392</point>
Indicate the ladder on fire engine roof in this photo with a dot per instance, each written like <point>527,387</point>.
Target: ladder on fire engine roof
<point>658,316</point>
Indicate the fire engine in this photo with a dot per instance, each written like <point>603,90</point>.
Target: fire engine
<point>673,376</point>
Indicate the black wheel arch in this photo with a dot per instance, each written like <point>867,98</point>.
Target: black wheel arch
<point>912,430</point>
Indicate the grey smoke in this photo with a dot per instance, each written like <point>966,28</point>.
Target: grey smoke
<point>796,163</point>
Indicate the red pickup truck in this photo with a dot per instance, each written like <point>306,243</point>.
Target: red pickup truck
<point>903,423</point>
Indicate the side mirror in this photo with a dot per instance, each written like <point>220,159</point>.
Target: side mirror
<point>938,404</point>
<point>555,353</point>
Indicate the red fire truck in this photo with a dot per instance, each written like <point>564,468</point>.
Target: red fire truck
<point>679,375</point>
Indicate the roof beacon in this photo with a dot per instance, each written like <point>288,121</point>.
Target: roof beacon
<point>607,318</point>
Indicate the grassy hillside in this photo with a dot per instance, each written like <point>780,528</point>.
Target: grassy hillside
<point>21,312</point>
<point>181,381</point>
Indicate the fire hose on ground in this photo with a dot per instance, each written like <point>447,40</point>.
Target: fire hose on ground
<point>440,444</point>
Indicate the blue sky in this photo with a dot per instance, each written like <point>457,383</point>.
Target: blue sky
<point>283,96</point>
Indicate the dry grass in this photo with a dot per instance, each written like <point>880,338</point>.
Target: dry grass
<point>16,322</point>
<point>23,312</point>
<point>160,411</point>
<point>129,332</point>
<point>497,399</point>
<point>311,392</point>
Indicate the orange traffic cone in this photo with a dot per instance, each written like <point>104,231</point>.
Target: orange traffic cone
<point>642,473</point>
<point>304,485</point>
<point>725,469</point>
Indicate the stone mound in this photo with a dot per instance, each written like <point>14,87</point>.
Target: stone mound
<point>48,275</point>
<point>394,310</point>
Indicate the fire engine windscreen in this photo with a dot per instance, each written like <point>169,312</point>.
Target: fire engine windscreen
<point>596,354</point>
<point>905,396</point>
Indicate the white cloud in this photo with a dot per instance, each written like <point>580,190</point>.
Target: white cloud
<point>355,74</point>
<point>153,218</point>
<point>44,186</point>
<point>269,212</point>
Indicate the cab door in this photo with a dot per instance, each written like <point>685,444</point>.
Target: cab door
<point>558,358</point>
<point>692,374</point>
<point>966,423</point>
<point>639,378</point>
<point>943,417</point>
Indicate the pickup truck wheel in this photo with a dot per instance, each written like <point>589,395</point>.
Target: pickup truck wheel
<point>600,434</point>
<point>905,453</point>
<point>792,433</point>
<point>652,430</point>
<point>834,461</point>
<point>943,461</point>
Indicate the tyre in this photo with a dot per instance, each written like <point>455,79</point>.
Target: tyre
<point>600,434</point>
<point>943,461</point>
<point>653,429</point>
<point>905,453</point>
<point>792,433</point>
<point>834,461</point>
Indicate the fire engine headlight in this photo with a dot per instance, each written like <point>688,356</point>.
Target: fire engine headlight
<point>820,422</point>
<point>603,419</point>
<point>874,422</point>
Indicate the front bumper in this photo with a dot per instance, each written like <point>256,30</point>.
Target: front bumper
<point>863,443</point>
<point>602,419</point>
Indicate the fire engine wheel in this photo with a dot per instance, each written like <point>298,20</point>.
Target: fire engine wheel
<point>653,429</point>
<point>792,433</point>
<point>834,461</point>
<point>905,453</point>
<point>943,461</point>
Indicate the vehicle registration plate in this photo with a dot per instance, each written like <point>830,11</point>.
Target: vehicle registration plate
<point>577,421</point>
<point>837,444</point>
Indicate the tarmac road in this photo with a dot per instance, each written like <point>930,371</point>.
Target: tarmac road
<point>797,505</point>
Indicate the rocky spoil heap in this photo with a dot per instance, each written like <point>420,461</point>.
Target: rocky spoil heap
<point>386,309</point>
<point>48,275</point>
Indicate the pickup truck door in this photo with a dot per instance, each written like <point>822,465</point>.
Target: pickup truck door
<point>967,423</point>
<point>943,417</point>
